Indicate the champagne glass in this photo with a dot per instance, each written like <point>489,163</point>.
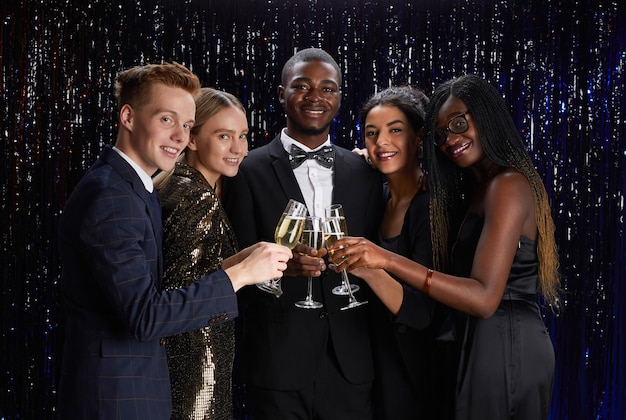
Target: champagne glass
<point>335,211</point>
<point>311,236</point>
<point>335,229</point>
<point>287,233</point>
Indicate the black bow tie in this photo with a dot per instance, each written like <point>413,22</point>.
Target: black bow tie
<point>324,156</point>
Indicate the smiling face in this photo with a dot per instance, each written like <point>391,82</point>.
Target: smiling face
<point>156,132</point>
<point>463,149</point>
<point>220,145</point>
<point>391,142</point>
<point>311,97</point>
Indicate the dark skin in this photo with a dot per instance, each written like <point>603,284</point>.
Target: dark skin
<point>311,96</point>
<point>506,202</point>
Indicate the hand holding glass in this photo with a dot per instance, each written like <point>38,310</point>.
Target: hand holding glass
<point>335,229</point>
<point>311,236</point>
<point>335,211</point>
<point>287,233</point>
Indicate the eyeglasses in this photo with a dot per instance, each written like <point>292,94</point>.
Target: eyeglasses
<point>456,125</point>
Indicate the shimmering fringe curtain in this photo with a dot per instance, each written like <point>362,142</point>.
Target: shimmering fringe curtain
<point>560,65</point>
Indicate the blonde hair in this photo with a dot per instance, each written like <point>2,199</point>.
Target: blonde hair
<point>209,102</point>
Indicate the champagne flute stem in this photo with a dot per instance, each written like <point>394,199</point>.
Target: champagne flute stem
<point>346,284</point>
<point>309,289</point>
<point>352,301</point>
<point>271,286</point>
<point>276,284</point>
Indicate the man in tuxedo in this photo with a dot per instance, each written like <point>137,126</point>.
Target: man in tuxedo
<point>114,364</point>
<point>305,363</point>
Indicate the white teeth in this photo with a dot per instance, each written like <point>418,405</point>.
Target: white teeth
<point>386,154</point>
<point>460,149</point>
<point>313,112</point>
<point>232,160</point>
<point>170,150</point>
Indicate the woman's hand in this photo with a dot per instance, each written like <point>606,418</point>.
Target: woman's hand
<point>363,152</point>
<point>351,252</point>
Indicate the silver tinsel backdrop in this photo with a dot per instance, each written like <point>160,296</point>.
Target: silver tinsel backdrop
<point>560,64</point>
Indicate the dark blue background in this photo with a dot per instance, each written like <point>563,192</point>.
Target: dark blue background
<point>559,64</point>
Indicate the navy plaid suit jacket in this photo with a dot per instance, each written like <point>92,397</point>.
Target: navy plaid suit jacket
<point>114,364</point>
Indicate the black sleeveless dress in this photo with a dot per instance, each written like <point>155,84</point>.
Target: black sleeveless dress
<point>507,361</point>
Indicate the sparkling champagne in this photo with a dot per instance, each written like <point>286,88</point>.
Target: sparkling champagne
<point>312,238</point>
<point>288,231</point>
<point>338,229</point>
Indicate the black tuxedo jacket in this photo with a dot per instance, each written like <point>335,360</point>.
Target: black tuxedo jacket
<point>283,344</point>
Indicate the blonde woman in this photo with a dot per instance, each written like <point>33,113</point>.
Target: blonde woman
<point>198,239</point>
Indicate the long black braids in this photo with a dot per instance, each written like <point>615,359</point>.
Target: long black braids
<point>451,186</point>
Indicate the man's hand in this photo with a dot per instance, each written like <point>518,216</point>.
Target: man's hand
<point>306,261</point>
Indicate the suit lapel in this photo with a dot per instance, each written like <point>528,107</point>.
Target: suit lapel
<point>154,211</point>
<point>284,174</point>
<point>153,205</point>
<point>341,171</point>
<point>342,191</point>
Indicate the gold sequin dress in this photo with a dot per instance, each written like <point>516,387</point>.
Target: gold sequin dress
<point>197,236</point>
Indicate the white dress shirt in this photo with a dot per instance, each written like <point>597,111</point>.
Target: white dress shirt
<point>315,181</point>
<point>145,178</point>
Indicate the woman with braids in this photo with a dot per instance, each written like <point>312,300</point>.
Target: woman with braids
<point>486,193</point>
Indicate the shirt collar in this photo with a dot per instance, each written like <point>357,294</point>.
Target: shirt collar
<point>145,178</point>
<point>288,141</point>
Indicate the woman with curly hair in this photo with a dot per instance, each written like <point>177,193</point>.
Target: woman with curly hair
<point>487,195</point>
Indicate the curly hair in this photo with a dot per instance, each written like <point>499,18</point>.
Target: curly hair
<point>451,187</point>
<point>410,100</point>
